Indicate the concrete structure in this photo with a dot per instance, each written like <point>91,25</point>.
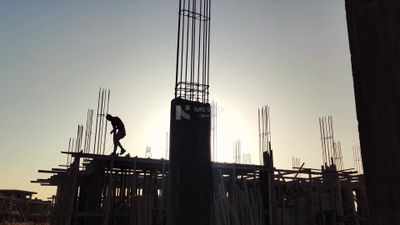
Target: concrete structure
<point>374,36</point>
<point>189,189</point>
<point>109,190</point>
<point>20,206</point>
<point>190,163</point>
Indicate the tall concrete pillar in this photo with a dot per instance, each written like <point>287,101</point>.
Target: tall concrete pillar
<point>189,163</point>
<point>374,36</point>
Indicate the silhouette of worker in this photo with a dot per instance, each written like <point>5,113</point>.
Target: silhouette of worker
<point>118,131</point>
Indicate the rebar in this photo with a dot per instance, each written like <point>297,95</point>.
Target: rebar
<point>193,50</point>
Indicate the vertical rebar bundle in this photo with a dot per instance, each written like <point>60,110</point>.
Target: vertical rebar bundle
<point>264,131</point>
<point>246,159</point>
<point>75,145</point>
<point>88,131</point>
<point>70,147</point>
<point>296,162</point>
<point>148,152</point>
<point>79,135</point>
<point>237,149</point>
<point>337,155</point>
<point>357,159</point>
<point>100,131</point>
<point>214,127</point>
<point>327,140</point>
<point>193,50</point>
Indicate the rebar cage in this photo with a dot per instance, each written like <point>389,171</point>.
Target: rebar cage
<point>193,50</point>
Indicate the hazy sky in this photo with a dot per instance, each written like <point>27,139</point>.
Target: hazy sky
<point>54,55</point>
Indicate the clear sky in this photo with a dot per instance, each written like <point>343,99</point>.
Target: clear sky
<point>54,55</point>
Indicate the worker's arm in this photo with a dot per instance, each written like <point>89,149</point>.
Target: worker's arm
<point>113,130</point>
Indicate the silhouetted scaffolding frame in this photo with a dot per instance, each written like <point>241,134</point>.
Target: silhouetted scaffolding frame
<point>133,191</point>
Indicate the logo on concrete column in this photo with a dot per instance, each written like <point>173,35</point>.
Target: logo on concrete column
<point>180,113</point>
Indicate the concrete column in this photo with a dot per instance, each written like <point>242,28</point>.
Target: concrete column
<point>190,165</point>
<point>374,37</point>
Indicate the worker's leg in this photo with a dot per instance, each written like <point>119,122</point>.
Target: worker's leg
<point>116,142</point>
<point>122,148</point>
<point>120,135</point>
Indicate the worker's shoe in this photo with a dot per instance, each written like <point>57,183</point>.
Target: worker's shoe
<point>122,151</point>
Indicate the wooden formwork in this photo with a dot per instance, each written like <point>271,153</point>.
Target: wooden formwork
<point>109,190</point>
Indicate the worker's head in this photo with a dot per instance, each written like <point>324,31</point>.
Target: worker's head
<point>108,117</point>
